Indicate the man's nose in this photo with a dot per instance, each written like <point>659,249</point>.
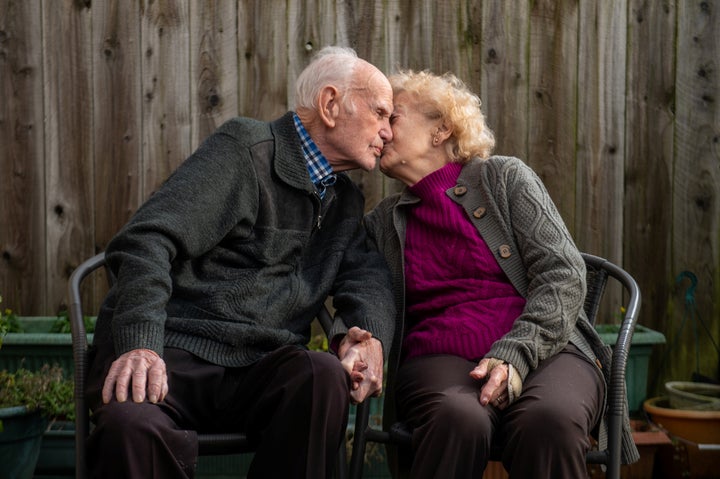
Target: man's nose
<point>386,132</point>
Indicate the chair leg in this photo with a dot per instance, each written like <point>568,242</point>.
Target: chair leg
<point>357,457</point>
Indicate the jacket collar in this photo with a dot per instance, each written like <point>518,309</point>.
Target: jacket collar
<point>289,163</point>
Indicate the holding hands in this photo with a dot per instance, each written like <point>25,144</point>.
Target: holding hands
<point>362,357</point>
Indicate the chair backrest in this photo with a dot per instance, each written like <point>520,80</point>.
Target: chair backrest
<point>208,444</point>
<point>80,348</point>
<point>596,279</point>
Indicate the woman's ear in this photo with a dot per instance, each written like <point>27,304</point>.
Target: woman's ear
<point>328,105</point>
<point>444,131</point>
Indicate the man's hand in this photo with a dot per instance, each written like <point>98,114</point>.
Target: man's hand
<point>362,357</point>
<point>494,391</point>
<point>145,369</point>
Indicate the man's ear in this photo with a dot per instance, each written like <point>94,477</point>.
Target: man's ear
<point>329,106</point>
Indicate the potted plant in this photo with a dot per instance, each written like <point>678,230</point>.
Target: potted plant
<point>29,400</point>
<point>32,341</point>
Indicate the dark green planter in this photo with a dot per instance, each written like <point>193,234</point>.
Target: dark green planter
<point>37,346</point>
<point>636,377</point>
<point>20,442</point>
<point>57,452</point>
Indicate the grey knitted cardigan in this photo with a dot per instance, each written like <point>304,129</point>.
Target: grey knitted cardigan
<point>514,214</point>
<point>235,254</point>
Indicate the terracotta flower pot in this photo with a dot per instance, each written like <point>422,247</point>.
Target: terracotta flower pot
<point>699,427</point>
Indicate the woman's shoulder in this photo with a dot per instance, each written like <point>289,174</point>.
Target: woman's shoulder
<point>494,167</point>
<point>495,162</point>
<point>497,167</point>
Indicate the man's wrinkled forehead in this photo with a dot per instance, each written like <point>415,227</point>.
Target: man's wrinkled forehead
<point>376,89</point>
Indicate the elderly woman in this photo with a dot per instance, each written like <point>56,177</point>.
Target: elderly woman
<point>492,345</point>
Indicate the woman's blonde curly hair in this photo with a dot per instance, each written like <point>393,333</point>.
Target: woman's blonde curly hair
<point>446,97</point>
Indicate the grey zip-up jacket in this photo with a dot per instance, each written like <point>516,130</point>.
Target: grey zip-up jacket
<point>235,254</point>
<point>511,209</point>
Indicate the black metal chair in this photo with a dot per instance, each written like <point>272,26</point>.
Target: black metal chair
<point>209,444</point>
<point>598,272</point>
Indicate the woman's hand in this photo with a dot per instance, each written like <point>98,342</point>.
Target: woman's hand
<point>495,390</point>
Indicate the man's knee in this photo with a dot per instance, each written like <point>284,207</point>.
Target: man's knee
<point>122,418</point>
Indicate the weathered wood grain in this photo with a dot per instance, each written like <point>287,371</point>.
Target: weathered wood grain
<point>68,143</point>
<point>213,66</point>
<point>600,126</point>
<point>649,141</point>
<point>600,130</point>
<point>505,75</point>
<point>263,75</point>
<point>165,76</point>
<point>117,123</point>
<point>552,115</point>
<point>696,178</point>
<point>23,260</point>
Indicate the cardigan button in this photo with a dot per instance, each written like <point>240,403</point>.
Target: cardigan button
<point>479,213</point>
<point>505,251</point>
<point>460,190</point>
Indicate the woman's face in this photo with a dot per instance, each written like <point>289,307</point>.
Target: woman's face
<point>411,147</point>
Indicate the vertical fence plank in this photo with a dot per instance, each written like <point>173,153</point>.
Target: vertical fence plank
<point>600,136</point>
<point>552,114</point>
<point>263,76</point>
<point>311,26</point>
<point>23,274</point>
<point>365,26</point>
<point>116,118</point>
<point>504,91</point>
<point>68,143</point>
<point>696,198</point>
<point>600,126</point>
<point>165,89</point>
<point>649,134</point>
<point>213,66</point>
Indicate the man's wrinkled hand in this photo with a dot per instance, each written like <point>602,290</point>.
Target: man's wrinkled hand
<point>144,370</point>
<point>362,357</point>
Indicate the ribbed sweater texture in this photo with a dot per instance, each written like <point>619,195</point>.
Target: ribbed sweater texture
<point>459,300</point>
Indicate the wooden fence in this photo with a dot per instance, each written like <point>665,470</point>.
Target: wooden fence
<point>615,103</point>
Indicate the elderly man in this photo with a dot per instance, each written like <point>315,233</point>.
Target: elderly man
<point>219,276</point>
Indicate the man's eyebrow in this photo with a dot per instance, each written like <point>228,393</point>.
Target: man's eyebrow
<point>384,107</point>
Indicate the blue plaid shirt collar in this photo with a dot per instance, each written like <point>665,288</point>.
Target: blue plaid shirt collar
<point>321,172</point>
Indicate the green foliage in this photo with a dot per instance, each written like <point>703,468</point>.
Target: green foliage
<point>62,325</point>
<point>45,390</point>
<point>318,342</point>
<point>8,322</point>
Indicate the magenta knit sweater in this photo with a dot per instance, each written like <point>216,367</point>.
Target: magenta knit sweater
<point>459,301</point>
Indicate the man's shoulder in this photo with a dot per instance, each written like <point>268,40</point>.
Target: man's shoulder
<point>246,129</point>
